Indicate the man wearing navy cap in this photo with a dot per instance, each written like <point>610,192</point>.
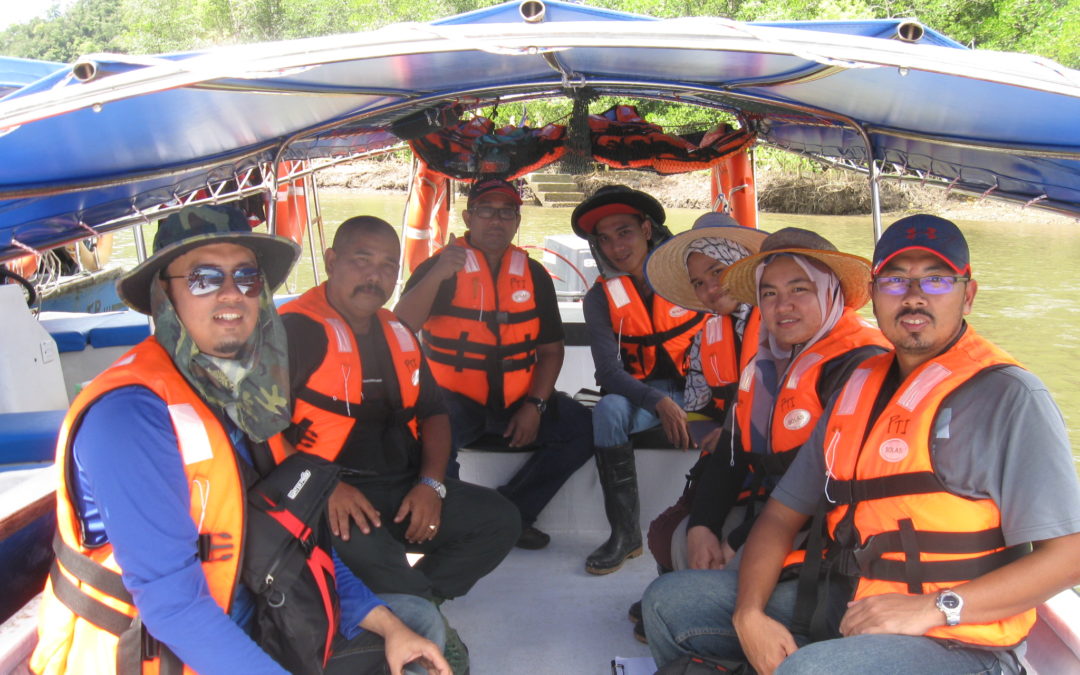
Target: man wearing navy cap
<point>494,339</point>
<point>929,476</point>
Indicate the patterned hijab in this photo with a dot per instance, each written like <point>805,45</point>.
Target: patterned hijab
<point>729,253</point>
<point>253,388</point>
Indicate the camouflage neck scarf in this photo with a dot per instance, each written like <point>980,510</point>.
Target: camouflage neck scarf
<point>253,388</point>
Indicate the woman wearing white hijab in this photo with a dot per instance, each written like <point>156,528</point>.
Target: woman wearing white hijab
<point>811,338</point>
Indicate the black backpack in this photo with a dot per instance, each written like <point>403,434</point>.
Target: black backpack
<point>287,562</point>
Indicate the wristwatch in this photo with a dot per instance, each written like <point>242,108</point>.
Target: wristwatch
<point>541,404</point>
<point>950,605</point>
<point>435,485</point>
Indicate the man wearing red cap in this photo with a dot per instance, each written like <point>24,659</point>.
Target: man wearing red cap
<point>927,480</point>
<point>494,338</point>
<point>639,342</point>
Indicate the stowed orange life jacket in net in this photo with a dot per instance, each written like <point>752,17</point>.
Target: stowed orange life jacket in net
<point>640,333</point>
<point>721,361</point>
<point>86,609</point>
<point>327,406</point>
<point>484,345</point>
<point>893,522</point>
<point>797,408</point>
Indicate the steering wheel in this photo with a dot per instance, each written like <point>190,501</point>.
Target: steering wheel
<point>31,292</point>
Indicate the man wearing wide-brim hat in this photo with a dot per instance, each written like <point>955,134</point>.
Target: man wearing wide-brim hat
<point>156,453</point>
<point>810,340</point>
<point>638,342</point>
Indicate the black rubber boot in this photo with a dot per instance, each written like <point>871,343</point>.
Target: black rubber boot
<point>618,479</point>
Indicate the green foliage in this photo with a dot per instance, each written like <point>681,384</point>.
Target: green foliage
<point>86,27</point>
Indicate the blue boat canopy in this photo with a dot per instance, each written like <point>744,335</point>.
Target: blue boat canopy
<point>112,140</point>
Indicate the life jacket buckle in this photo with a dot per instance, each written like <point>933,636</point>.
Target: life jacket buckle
<point>211,552</point>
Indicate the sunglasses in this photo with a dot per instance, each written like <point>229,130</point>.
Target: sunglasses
<point>934,284</point>
<point>207,279</point>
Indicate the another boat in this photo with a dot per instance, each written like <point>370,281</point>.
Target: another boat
<point>889,98</point>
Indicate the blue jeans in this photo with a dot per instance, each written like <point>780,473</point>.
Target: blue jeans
<point>690,612</point>
<point>364,654</point>
<point>615,417</point>
<point>563,445</point>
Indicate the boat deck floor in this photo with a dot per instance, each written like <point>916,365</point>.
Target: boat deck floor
<point>541,612</point>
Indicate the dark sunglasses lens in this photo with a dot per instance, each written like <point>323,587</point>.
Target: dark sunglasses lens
<point>205,280</point>
<point>249,280</point>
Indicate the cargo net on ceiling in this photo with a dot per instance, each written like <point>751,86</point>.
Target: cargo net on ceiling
<point>620,138</point>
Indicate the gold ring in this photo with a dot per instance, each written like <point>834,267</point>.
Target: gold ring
<point>432,527</point>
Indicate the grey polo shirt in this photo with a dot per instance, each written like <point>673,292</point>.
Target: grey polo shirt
<point>999,436</point>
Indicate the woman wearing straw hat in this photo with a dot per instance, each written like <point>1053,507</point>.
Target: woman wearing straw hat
<point>811,338</point>
<point>687,271</point>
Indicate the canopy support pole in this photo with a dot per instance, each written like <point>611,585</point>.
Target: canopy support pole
<point>309,188</point>
<point>319,226</point>
<point>875,196</point>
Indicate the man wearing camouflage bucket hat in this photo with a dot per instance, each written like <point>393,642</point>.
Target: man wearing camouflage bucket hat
<point>156,453</point>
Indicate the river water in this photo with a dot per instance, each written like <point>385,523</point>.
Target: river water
<point>1026,302</point>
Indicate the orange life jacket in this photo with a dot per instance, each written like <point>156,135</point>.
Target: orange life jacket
<point>720,364</point>
<point>639,333</point>
<point>68,641</point>
<point>484,346</point>
<point>797,408</point>
<point>329,401</point>
<point>913,535</point>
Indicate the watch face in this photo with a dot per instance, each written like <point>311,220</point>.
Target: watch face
<point>950,601</point>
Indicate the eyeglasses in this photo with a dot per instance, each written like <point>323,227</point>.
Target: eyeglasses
<point>934,284</point>
<point>207,279</point>
<point>504,213</point>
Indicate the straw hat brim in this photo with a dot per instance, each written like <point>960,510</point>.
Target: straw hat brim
<point>852,270</point>
<point>665,268</point>
<point>275,254</point>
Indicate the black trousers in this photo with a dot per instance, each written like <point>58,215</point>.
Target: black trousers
<point>477,528</point>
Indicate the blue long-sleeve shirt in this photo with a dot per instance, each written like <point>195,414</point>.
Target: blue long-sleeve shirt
<point>131,490</point>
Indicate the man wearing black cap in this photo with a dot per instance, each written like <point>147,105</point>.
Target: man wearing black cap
<point>929,475</point>
<point>493,336</point>
<point>639,342</point>
<point>157,452</point>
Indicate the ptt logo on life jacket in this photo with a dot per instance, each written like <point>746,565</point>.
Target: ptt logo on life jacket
<point>893,450</point>
<point>796,419</point>
<point>521,296</point>
<point>676,312</point>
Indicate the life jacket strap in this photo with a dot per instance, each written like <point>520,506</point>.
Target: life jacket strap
<point>657,339</point>
<point>845,492</point>
<point>491,317</point>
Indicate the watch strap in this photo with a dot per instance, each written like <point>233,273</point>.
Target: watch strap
<point>435,485</point>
